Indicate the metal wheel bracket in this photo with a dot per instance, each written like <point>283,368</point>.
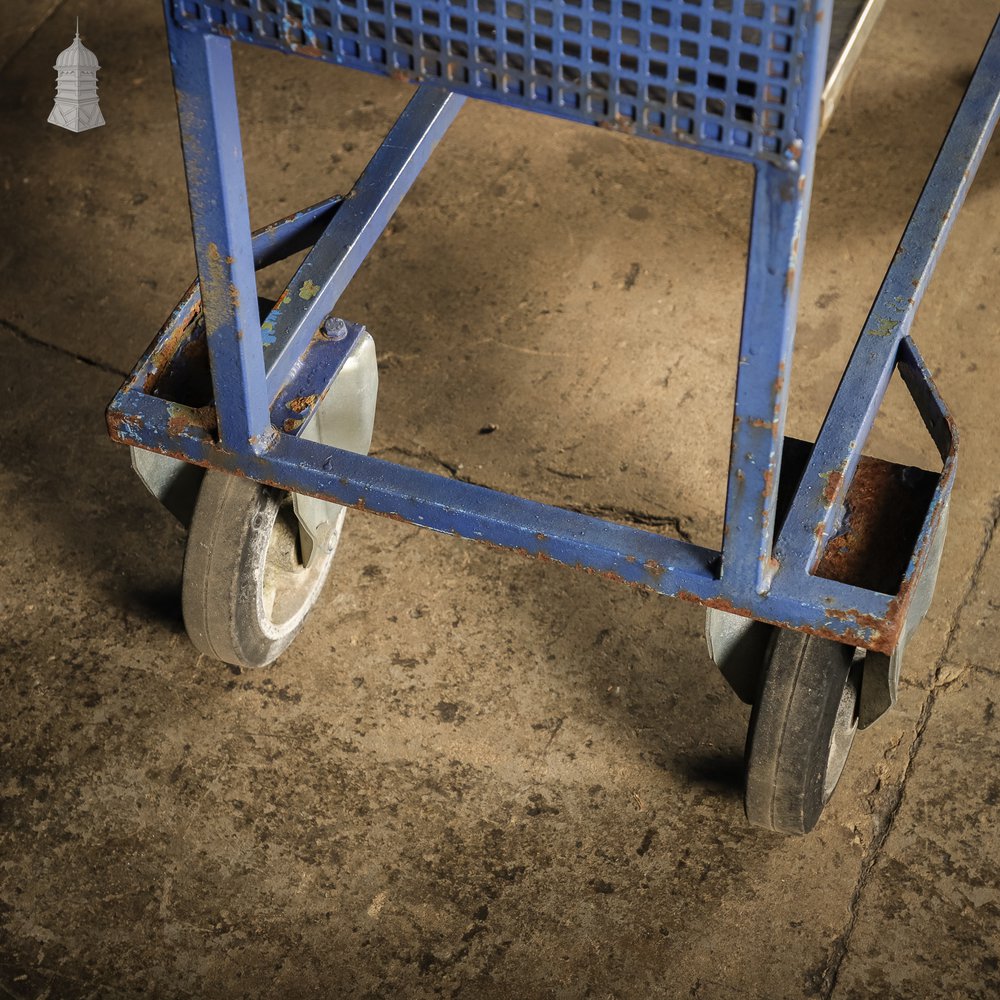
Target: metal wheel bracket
<point>173,482</point>
<point>880,678</point>
<point>343,418</point>
<point>738,647</point>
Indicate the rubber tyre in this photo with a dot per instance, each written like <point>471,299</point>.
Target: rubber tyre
<point>801,730</point>
<point>246,592</point>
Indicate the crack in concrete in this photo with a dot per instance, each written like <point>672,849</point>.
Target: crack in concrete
<point>639,518</point>
<point>27,338</point>
<point>423,454</point>
<point>627,515</point>
<point>978,668</point>
<point>38,27</point>
<point>828,982</point>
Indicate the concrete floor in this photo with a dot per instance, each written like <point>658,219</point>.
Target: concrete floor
<point>473,775</point>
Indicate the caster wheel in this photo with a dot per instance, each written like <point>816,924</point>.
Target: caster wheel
<point>801,730</point>
<point>247,589</point>
<point>257,557</point>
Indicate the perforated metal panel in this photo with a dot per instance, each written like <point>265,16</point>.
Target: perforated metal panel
<point>722,75</point>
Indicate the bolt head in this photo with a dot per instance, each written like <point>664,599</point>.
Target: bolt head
<point>334,328</point>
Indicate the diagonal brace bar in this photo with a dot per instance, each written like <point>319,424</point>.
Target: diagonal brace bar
<point>359,221</point>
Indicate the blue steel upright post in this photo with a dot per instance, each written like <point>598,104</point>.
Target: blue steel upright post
<point>213,162</point>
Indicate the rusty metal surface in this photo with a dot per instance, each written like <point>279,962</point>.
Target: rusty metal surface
<point>884,511</point>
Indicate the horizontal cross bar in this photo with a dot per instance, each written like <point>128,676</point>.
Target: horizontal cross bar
<point>621,552</point>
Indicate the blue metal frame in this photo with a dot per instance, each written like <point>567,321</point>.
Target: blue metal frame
<point>247,427</point>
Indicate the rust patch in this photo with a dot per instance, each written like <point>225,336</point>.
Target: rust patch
<point>618,124</point>
<point>121,425</point>
<point>291,425</point>
<point>302,403</point>
<point>718,603</point>
<point>607,574</point>
<point>768,476</point>
<point>177,425</point>
<point>213,287</point>
<point>182,320</point>
<point>884,633</point>
<point>885,509</point>
<point>852,637</point>
<point>760,423</point>
<point>201,419</point>
<point>833,481</point>
<point>652,567</point>
<point>195,349</point>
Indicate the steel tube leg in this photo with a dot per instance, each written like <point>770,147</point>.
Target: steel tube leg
<point>762,379</point>
<point>774,266</point>
<point>213,160</point>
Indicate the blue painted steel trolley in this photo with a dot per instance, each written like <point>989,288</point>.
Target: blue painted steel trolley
<point>809,610</point>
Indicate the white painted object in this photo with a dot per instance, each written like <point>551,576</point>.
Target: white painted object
<point>76,106</point>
